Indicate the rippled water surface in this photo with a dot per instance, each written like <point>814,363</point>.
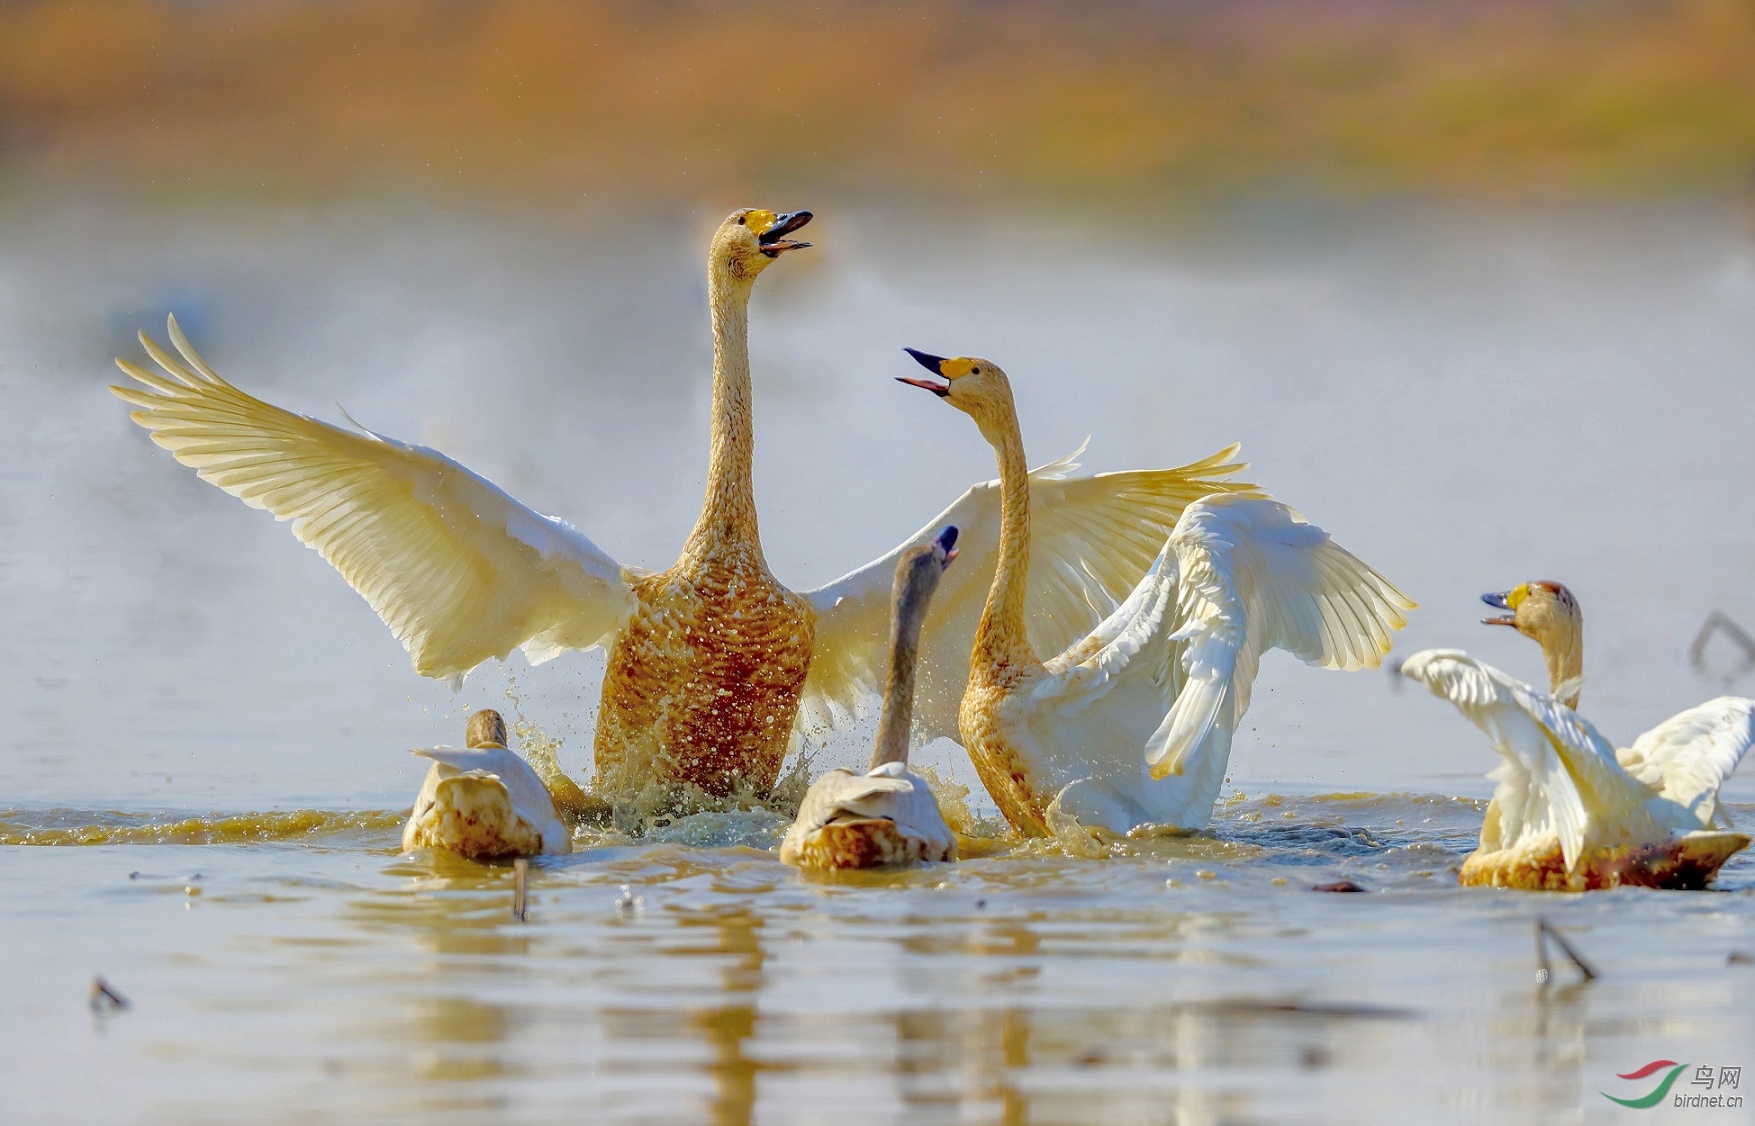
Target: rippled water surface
<point>1466,399</point>
<point>317,974</point>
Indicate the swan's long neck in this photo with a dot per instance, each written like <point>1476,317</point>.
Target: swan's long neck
<point>727,525</point>
<point>1563,650</point>
<point>1000,641</point>
<point>907,613</point>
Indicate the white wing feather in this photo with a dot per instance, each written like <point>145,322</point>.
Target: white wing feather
<point>1136,720</point>
<point>1256,576</point>
<point>1091,540</point>
<point>1687,758</point>
<point>457,569</point>
<point>1559,778</point>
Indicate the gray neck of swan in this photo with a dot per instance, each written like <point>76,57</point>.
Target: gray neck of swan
<point>913,593</point>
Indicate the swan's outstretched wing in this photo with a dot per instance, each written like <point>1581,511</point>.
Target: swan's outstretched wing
<point>1256,576</point>
<point>1687,757</point>
<point>1559,777</point>
<point>458,570</point>
<point>1091,540</point>
<point>1145,706</point>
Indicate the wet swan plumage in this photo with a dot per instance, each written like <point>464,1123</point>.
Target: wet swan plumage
<point>715,667</point>
<point>1571,812</point>
<point>1131,724</point>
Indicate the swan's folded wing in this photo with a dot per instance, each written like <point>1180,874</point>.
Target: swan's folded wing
<point>457,569</point>
<point>529,796</point>
<point>1092,538</point>
<point>1255,576</point>
<point>1687,757</point>
<point>841,793</point>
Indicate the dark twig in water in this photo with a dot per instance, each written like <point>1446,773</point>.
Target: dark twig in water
<point>1720,622</point>
<point>1338,885</point>
<point>104,997</point>
<point>1545,932</point>
<point>520,887</point>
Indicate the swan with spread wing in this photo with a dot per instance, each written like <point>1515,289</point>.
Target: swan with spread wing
<point>1130,725</point>
<point>713,661</point>
<point>1572,813</point>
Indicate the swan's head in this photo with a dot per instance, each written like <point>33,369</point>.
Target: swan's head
<point>1547,613</point>
<point>486,729</point>
<point>917,575</point>
<point>1540,610</point>
<point>975,386</point>
<point>922,564</point>
<point>751,238</point>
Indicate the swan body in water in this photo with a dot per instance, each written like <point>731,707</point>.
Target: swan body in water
<point>484,801</point>
<point>1130,726</point>
<point>887,815</point>
<point>715,668</point>
<point>1572,813</point>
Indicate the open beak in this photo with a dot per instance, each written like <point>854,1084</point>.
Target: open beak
<point>947,542</point>
<point>930,363</point>
<point>774,241</point>
<point>1499,601</point>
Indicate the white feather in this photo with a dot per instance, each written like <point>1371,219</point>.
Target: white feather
<point>1133,724</point>
<point>1560,779</point>
<point>529,797</point>
<point>460,571</point>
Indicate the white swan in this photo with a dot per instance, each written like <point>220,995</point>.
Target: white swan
<point>712,662</point>
<point>1571,812</point>
<point>1131,725</point>
<point>889,814</point>
<point>484,801</point>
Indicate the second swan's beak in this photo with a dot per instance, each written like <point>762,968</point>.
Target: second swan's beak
<point>1499,601</point>
<point>773,240</point>
<point>930,363</point>
<point>947,542</point>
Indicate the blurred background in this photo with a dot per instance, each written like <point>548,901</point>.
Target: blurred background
<point>1472,282</point>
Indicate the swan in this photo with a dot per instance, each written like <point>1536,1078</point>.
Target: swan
<point>1131,725</point>
<point>484,801</point>
<point>1570,812</point>
<point>887,815</point>
<point>715,668</point>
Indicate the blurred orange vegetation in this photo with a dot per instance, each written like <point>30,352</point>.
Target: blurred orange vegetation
<point>613,102</point>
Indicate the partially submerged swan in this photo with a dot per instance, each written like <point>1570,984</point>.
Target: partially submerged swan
<point>715,667</point>
<point>1571,813</point>
<point>484,801</point>
<point>887,815</point>
<point>1131,725</point>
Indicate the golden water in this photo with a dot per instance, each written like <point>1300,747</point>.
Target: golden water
<point>297,967</point>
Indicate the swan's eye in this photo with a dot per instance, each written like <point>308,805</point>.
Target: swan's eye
<point>974,371</point>
<point>740,220</point>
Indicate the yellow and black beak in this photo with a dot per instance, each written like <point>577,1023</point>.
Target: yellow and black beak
<point>1502,601</point>
<point>934,364</point>
<point>774,241</point>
